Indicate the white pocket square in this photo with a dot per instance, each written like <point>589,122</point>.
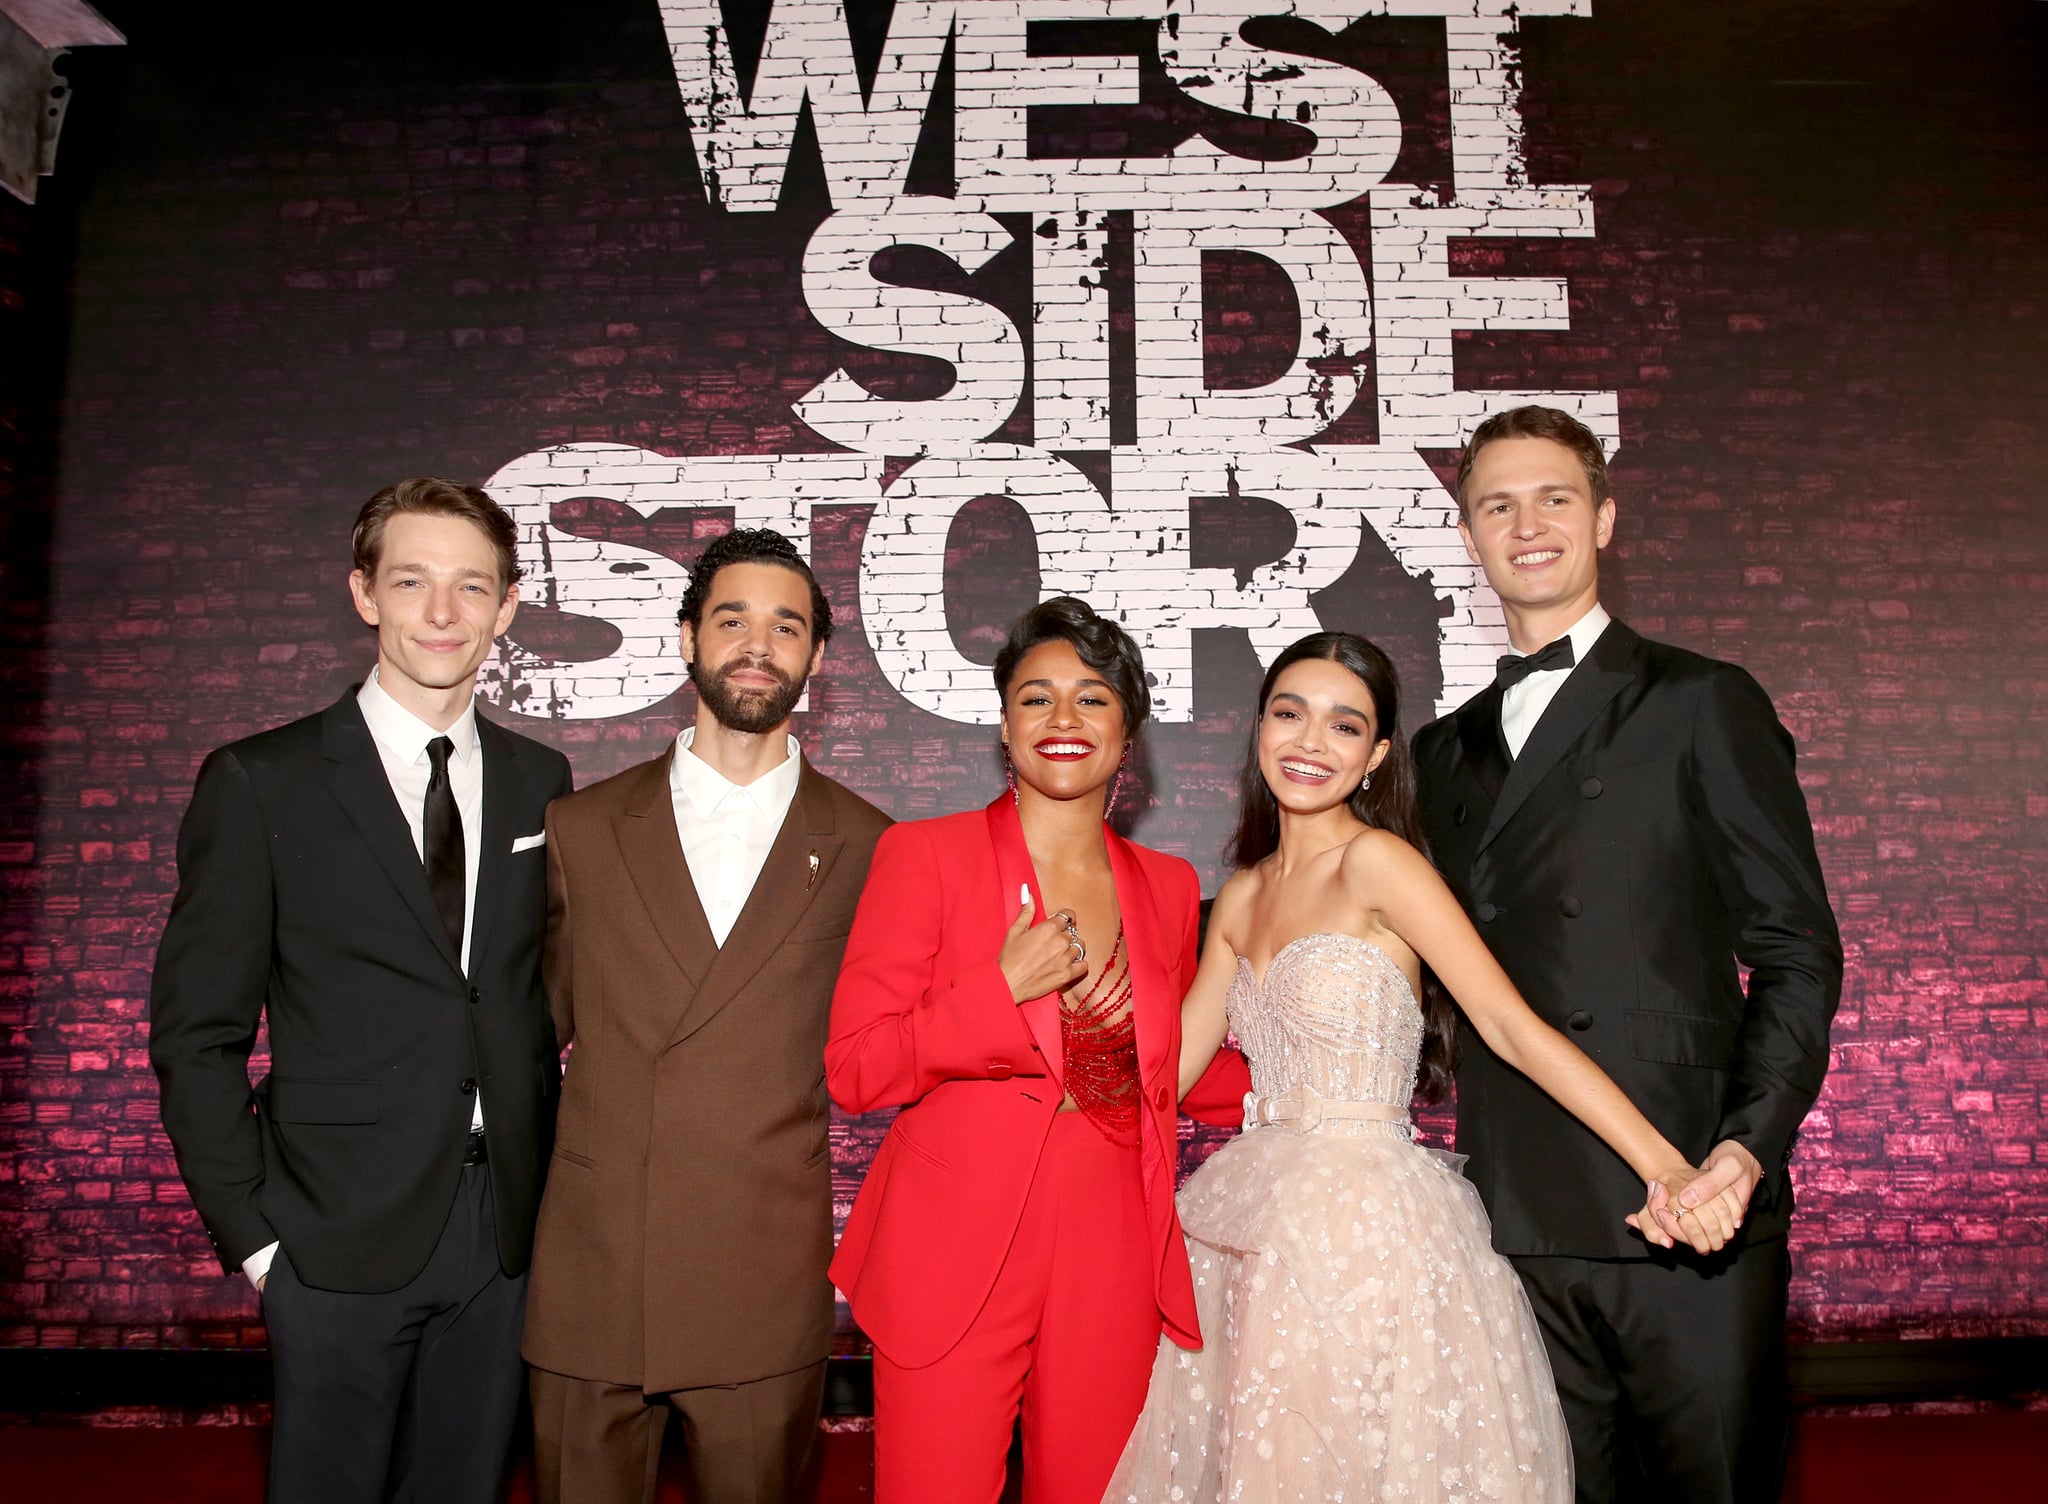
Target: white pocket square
<point>527,843</point>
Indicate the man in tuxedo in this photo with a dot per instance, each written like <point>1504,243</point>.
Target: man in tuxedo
<point>698,905</point>
<point>1622,822</point>
<point>371,879</point>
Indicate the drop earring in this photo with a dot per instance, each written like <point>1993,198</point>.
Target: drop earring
<point>1010,776</point>
<point>1116,789</point>
<point>1365,783</point>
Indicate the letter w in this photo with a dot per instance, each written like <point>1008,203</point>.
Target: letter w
<point>743,146</point>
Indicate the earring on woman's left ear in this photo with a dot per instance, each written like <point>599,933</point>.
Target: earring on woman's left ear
<point>1115,789</point>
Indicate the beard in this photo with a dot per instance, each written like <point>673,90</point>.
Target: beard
<point>752,711</point>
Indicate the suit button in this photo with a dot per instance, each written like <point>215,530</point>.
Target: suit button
<point>1159,1098</point>
<point>1580,1021</point>
<point>999,1071</point>
<point>1458,815</point>
<point>475,997</point>
<point>1571,908</point>
<point>469,1086</point>
<point>1592,788</point>
<point>1487,913</point>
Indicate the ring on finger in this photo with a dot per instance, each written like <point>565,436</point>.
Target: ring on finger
<point>1074,944</point>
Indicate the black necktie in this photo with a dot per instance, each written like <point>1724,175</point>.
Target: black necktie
<point>441,832</point>
<point>1513,668</point>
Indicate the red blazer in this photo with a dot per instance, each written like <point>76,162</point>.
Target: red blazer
<point>923,1020</point>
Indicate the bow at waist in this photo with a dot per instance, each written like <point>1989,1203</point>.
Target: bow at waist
<point>1303,1109</point>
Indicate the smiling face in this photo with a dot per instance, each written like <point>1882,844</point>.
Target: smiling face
<point>1319,736</point>
<point>1533,524</point>
<point>437,602</point>
<point>752,649</point>
<point>1063,724</point>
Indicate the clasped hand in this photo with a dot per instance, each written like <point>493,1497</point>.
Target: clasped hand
<point>1041,958</point>
<point>1701,1207</point>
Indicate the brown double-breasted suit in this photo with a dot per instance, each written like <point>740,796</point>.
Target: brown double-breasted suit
<point>687,1222</point>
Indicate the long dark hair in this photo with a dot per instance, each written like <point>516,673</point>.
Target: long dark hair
<point>1390,804</point>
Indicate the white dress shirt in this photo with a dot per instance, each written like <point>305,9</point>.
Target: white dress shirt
<point>727,827</point>
<point>401,739</point>
<point>1522,706</point>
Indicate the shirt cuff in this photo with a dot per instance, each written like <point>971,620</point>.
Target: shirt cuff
<point>257,1264</point>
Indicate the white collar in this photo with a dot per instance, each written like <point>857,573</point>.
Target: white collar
<point>1583,634</point>
<point>404,733</point>
<point>706,788</point>
<point>1586,631</point>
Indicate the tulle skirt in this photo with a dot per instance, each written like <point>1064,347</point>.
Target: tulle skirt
<point>1362,1340</point>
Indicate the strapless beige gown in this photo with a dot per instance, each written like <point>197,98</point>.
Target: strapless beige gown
<point>1362,1340</point>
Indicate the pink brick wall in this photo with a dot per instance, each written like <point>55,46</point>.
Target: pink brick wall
<point>1824,311</point>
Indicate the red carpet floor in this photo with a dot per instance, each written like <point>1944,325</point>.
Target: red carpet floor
<point>1996,1457</point>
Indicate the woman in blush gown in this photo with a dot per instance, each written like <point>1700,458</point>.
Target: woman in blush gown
<point>1362,1341</point>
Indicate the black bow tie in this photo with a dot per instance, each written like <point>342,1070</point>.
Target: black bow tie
<point>1512,668</point>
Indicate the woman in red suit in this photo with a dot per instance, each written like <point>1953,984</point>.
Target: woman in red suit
<point>1013,984</point>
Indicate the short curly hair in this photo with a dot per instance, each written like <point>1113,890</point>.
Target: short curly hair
<point>1101,644</point>
<point>752,545</point>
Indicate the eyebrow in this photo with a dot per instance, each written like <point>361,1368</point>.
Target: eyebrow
<point>464,573</point>
<point>1350,710</point>
<point>1048,684</point>
<point>1577,488</point>
<point>782,613</point>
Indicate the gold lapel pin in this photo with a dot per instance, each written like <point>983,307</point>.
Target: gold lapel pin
<point>812,881</point>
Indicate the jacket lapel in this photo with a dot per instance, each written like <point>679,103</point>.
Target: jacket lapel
<point>1014,870</point>
<point>1145,945</point>
<point>652,852</point>
<point>1155,1010</point>
<point>782,895</point>
<point>1479,734</point>
<point>355,775</point>
<point>1606,672</point>
<point>503,778</point>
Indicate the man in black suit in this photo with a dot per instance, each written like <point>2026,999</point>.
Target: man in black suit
<point>1622,822</point>
<point>372,879</point>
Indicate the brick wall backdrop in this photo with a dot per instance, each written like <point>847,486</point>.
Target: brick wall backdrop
<point>301,264</point>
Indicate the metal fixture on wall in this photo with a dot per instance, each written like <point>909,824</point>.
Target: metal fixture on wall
<point>34,36</point>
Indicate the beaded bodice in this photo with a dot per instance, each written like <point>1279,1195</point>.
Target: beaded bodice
<point>1333,1012</point>
<point>1099,1038</point>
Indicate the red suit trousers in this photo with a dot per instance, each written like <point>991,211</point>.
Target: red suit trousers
<point>1066,1339</point>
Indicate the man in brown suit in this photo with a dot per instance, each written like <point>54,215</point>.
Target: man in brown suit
<point>697,908</point>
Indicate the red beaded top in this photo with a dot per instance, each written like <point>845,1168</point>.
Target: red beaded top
<point>1099,1038</point>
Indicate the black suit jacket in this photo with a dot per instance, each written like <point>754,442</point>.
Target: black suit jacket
<point>1651,835</point>
<point>301,895</point>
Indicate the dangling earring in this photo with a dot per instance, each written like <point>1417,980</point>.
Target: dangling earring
<point>1365,783</point>
<point>1116,789</point>
<point>1010,776</point>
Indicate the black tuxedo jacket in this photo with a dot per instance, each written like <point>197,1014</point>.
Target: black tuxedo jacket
<point>1651,835</point>
<point>301,895</point>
